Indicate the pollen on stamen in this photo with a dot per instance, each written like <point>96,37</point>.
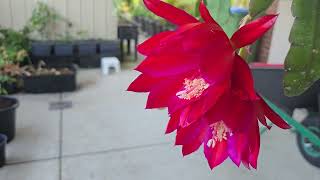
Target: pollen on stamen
<point>220,132</point>
<point>193,88</point>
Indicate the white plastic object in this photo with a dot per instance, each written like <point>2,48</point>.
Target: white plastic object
<point>109,62</point>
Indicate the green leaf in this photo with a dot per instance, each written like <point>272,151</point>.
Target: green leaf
<point>220,11</point>
<point>302,64</point>
<point>257,7</point>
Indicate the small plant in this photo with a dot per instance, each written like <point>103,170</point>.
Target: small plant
<point>42,20</point>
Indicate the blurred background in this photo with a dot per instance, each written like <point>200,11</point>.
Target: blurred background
<point>65,66</point>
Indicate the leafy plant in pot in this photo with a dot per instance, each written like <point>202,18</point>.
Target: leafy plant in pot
<point>10,58</point>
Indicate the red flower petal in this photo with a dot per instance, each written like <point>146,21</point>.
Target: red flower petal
<point>203,105</point>
<point>167,65</point>
<point>216,155</point>
<point>260,114</point>
<point>169,12</point>
<point>149,45</point>
<point>195,132</point>
<point>254,145</point>
<point>273,116</point>
<point>249,33</point>
<point>236,145</point>
<point>238,119</point>
<point>245,158</point>
<point>217,58</point>
<point>205,14</point>
<point>242,80</point>
<point>173,123</point>
<point>190,148</point>
<point>143,83</point>
<point>160,95</point>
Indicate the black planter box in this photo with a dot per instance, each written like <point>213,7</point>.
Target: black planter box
<point>109,49</point>
<point>8,108</point>
<point>50,83</point>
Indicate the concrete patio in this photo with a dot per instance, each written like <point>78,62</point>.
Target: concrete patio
<point>107,135</point>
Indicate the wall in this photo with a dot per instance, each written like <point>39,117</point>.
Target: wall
<point>96,17</point>
<point>280,44</point>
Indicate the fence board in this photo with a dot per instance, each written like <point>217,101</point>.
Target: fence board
<point>96,17</point>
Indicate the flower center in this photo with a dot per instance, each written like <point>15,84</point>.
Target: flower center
<point>220,132</point>
<point>192,88</point>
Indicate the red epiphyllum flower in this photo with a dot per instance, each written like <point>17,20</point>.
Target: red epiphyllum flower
<point>208,89</point>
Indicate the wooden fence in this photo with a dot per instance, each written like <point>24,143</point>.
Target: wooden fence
<point>96,17</point>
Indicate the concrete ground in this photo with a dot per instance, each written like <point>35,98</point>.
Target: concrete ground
<point>107,135</point>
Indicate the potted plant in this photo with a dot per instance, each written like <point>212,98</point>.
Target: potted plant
<point>13,51</point>
<point>63,53</point>
<point>3,143</point>
<point>8,108</point>
<point>49,80</point>
<point>108,48</point>
<point>41,51</point>
<point>87,53</point>
<point>10,79</point>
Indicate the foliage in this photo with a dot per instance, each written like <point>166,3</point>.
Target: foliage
<point>220,11</point>
<point>5,79</point>
<point>43,19</point>
<point>127,9</point>
<point>257,7</point>
<point>303,60</point>
<point>15,45</point>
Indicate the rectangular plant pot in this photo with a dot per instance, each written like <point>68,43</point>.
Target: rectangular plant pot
<point>50,83</point>
<point>109,49</point>
<point>41,51</point>
<point>93,61</point>
<point>63,55</point>
<point>86,48</point>
<point>63,49</point>
<point>128,31</point>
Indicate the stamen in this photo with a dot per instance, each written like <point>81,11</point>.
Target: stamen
<point>220,132</point>
<point>192,88</point>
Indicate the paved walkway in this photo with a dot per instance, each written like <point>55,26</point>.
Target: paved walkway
<point>107,135</point>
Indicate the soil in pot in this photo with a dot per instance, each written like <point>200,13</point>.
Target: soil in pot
<point>8,116</point>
